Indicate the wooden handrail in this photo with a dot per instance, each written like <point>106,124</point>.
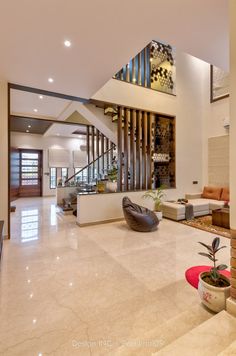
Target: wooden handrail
<point>85,167</point>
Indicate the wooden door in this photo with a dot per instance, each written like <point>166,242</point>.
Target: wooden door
<point>15,173</point>
<point>30,173</point>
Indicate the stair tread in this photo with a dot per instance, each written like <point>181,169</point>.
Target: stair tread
<point>229,351</point>
<point>207,339</point>
<point>157,338</point>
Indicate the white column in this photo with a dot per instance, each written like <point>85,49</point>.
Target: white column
<point>4,154</point>
<point>231,303</point>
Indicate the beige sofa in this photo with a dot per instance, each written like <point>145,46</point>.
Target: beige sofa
<point>203,203</point>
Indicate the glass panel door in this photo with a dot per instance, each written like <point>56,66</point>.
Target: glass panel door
<point>30,173</point>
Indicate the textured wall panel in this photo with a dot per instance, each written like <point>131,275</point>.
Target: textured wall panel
<point>218,161</point>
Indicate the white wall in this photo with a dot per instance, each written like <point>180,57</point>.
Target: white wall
<point>188,108</point>
<point>4,155</point>
<point>32,141</point>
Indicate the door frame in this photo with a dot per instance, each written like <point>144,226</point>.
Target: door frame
<point>35,91</point>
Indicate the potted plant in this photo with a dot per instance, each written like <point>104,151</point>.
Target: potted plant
<point>111,184</point>
<point>157,196</point>
<point>213,287</point>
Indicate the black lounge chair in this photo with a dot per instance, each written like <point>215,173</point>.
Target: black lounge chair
<point>139,218</point>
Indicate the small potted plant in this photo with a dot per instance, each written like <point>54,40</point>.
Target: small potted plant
<point>213,287</point>
<point>111,185</point>
<point>157,197</point>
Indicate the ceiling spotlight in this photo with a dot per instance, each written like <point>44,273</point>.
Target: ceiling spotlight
<point>35,110</point>
<point>41,97</point>
<point>67,43</point>
<point>27,132</point>
<point>29,126</point>
<point>51,80</point>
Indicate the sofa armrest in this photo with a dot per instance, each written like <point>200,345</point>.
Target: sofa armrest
<point>190,196</point>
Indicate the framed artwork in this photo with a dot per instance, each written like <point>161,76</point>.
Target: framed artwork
<point>219,85</point>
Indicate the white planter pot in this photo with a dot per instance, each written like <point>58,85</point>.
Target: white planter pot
<point>212,297</point>
<point>159,215</point>
<point>111,186</point>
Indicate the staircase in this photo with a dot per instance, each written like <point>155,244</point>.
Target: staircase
<point>195,332</point>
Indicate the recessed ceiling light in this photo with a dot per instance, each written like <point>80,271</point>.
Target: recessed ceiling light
<point>27,132</point>
<point>29,126</point>
<point>51,80</point>
<point>35,110</point>
<point>67,43</point>
<point>40,96</point>
<point>58,134</point>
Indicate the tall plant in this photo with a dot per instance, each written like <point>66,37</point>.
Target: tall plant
<point>211,254</point>
<point>157,197</point>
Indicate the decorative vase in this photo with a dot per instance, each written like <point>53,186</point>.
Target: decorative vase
<point>100,187</point>
<point>212,297</point>
<point>111,186</point>
<point>159,215</point>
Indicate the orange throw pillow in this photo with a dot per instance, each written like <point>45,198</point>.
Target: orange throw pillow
<point>225,194</point>
<point>212,193</point>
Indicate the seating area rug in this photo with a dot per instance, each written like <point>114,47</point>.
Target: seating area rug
<point>205,223</point>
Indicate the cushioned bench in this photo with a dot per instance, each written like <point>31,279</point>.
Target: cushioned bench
<point>176,211</point>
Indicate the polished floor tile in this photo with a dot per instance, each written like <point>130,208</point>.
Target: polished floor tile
<point>67,290</point>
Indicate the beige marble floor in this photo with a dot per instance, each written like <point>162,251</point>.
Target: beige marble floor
<point>67,290</point>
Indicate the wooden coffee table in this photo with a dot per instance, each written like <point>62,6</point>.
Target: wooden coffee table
<point>220,217</point>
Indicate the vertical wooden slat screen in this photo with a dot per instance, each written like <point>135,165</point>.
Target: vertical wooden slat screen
<point>102,152</point>
<point>93,151</point>
<point>138,143</point>
<point>127,73</point>
<point>149,150</point>
<point>132,148</point>
<point>145,66</point>
<point>144,147</point>
<point>139,69</point>
<point>126,148</point>
<point>133,71</point>
<point>107,155</point>
<point>88,150</point>
<point>120,150</point>
<point>97,151</point>
<point>111,153</point>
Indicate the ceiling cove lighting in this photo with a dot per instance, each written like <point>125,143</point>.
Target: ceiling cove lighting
<point>50,80</point>
<point>67,43</point>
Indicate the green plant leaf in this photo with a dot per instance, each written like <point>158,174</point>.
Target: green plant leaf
<point>220,248</point>
<point>221,267</point>
<point>206,255</point>
<point>215,243</point>
<point>207,246</point>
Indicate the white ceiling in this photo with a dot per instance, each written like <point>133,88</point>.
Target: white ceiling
<point>24,103</point>
<point>65,130</point>
<point>105,34</point>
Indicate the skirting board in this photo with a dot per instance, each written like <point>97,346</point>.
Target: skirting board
<point>100,222</point>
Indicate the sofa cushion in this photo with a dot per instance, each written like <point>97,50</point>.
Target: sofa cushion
<point>212,193</point>
<point>225,194</point>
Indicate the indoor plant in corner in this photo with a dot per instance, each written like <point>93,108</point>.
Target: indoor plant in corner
<point>157,196</point>
<point>213,287</point>
<point>111,184</point>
